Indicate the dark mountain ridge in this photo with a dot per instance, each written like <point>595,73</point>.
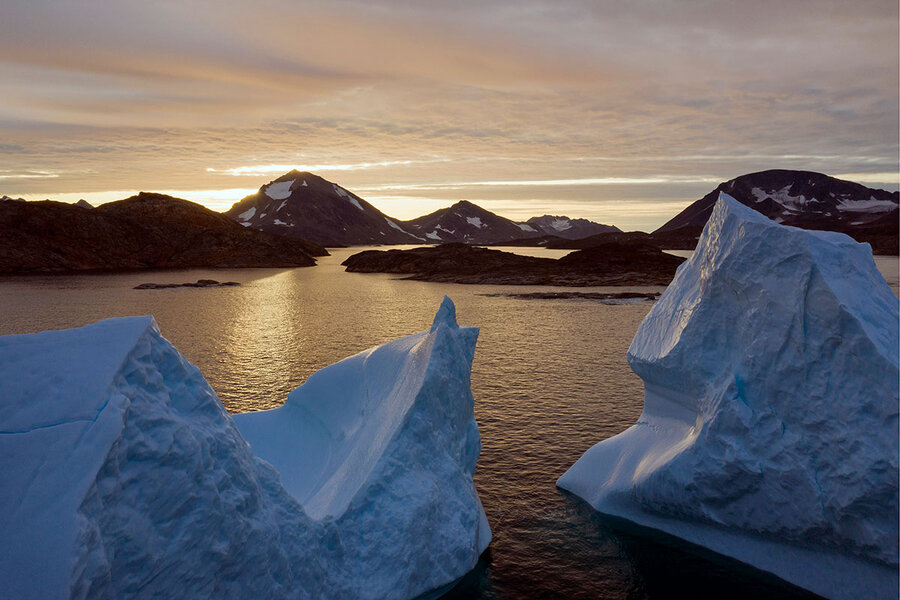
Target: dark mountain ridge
<point>571,229</point>
<point>301,204</point>
<point>467,223</point>
<point>147,231</point>
<point>802,199</point>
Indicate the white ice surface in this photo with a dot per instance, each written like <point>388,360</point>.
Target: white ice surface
<point>476,221</point>
<point>433,235</point>
<point>560,224</point>
<point>123,476</point>
<point>769,430</point>
<point>279,190</point>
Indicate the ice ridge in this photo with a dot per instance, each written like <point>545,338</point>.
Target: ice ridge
<point>769,430</point>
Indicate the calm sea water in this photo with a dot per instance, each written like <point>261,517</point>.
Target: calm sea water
<point>550,379</point>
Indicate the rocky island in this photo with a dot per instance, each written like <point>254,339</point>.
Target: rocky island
<point>620,263</point>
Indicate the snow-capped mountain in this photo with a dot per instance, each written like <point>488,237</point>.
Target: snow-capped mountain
<point>468,223</point>
<point>300,204</point>
<point>572,229</point>
<point>802,199</point>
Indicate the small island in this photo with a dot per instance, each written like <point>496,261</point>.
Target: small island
<point>200,283</point>
<point>628,262</point>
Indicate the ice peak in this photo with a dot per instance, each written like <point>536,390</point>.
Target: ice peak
<point>727,206</point>
<point>446,315</point>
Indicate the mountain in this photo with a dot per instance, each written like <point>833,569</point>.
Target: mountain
<point>571,229</point>
<point>300,204</point>
<point>803,199</point>
<point>147,231</point>
<point>466,223</point>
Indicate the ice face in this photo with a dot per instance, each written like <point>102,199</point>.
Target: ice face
<point>769,430</point>
<point>123,475</point>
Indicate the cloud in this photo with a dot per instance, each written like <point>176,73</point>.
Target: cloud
<point>186,95</point>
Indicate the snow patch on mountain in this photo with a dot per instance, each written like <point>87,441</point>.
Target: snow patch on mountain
<point>247,215</point>
<point>783,197</point>
<point>394,225</point>
<point>279,190</point>
<point>526,227</point>
<point>561,224</point>
<point>871,205</point>
<point>346,196</point>
<point>476,221</point>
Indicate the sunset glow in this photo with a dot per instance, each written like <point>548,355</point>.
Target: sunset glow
<point>523,108</point>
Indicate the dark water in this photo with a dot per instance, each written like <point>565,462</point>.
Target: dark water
<point>550,379</point>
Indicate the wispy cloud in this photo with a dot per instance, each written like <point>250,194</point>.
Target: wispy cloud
<point>265,170</point>
<point>28,175</point>
<point>591,181</point>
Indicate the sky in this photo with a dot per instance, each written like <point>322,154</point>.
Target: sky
<point>621,112</point>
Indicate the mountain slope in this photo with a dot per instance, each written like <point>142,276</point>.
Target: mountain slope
<point>143,232</point>
<point>572,229</point>
<point>300,204</point>
<point>467,223</point>
<point>803,199</point>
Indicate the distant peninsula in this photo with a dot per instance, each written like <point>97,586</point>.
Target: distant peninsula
<point>620,263</point>
<point>146,231</point>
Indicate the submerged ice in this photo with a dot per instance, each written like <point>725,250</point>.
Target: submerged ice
<point>769,430</point>
<point>124,476</point>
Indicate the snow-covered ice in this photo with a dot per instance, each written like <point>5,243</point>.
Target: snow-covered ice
<point>476,221</point>
<point>124,476</point>
<point>769,430</point>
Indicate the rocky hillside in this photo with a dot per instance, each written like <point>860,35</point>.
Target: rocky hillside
<point>147,231</point>
<point>625,263</point>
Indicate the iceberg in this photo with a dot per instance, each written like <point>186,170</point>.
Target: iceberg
<point>770,423</point>
<point>124,476</point>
